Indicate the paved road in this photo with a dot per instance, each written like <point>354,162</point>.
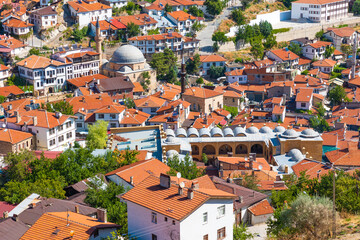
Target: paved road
<point>205,35</point>
<point>259,230</point>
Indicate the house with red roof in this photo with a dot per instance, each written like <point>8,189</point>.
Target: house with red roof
<point>14,141</point>
<point>284,56</point>
<point>143,20</point>
<point>15,26</point>
<point>203,99</point>
<point>149,104</point>
<point>325,66</point>
<point>339,36</point>
<point>108,28</point>
<point>210,60</point>
<point>183,20</point>
<point>315,50</point>
<point>304,98</point>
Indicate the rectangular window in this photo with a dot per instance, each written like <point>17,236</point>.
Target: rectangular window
<point>113,125</point>
<point>205,218</point>
<point>221,211</point>
<point>153,237</point>
<point>221,233</point>
<point>112,116</point>
<point>206,237</point>
<point>303,104</point>
<point>79,125</point>
<point>101,116</point>
<point>153,218</point>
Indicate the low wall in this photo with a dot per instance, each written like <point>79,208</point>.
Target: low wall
<point>273,17</point>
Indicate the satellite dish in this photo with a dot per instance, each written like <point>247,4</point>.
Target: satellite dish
<point>260,167</point>
<point>178,175</point>
<point>182,184</point>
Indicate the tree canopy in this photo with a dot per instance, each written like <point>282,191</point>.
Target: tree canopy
<point>97,136</point>
<point>195,11</point>
<point>237,16</point>
<point>186,167</point>
<point>356,7</point>
<point>337,95</point>
<point>214,7</point>
<point>132,30</point>
<point>295,48</point>
<point>193,65</point>
<point>219,37</point>
<point>216,72</point>
<point>164,63</point>
<point>63,107</point>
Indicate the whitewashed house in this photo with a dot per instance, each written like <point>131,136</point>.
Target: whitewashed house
<point>43,18</point>
<point>158,209</point>
<point>183,21</point>
<point>339,36</point>
<point>304,98</point>
<point>315,50</point>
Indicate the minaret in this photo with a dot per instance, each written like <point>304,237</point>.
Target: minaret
<point>98,40</point>
<point>353,68</point>
<point>182,76</point>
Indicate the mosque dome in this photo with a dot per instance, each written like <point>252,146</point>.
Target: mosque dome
<point>265,129</point>
<point>295,155</point>
<point>252,130</point>
<point>127,54</point>
<point>279,129</point>
<point>309,133</point>
<point>290,133</point>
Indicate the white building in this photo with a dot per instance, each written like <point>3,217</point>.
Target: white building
<point>143,20</point>
<point>14,26</point>
<point>319,10</point>
<point>85,12</point>
<point>4,74</point>
<point>304,98</point>
<point>284,56</point>
<point>237,75</point>
<point>325,66</point>
<point>45,74</point>
<point>210,60</point>
<point>53,131</point>
<point>151,44</point>
<point>339,36</point>
<point>115,3</point>
<point>183,20</point>
<point>315,50</point>
<point>83,62</point>
<point>158,209</point>
<point>43,18</point>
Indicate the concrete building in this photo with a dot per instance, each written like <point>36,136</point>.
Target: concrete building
<point>179,44</point>
<point>339,36</point>
<point>315,50</point>
<point>203,100</point>
<point>85,12</point>
<point>14,141</point>
<point>320,10</point>
<point>284,56</point>
<point>43,18</point>
<point>207,214</point>
<point>325,66</point>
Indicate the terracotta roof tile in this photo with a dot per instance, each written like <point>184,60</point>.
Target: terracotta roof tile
<point>278,110</point>
<point>10,42</point>
<point>201,92</point>
<point>134,117</point>
<point>342,32</point>
<point>181,16</point>
<point>16,23</point>
<point>149,101</point>
<point>90,102</point>
<point>212,58</point>
<point>285,55</point>
<point>167,201</point>
<point>35,62</point>
<point>163,36</point>
<point>320,44</point>
<point>312,168</point>
<point>86,7</point>
<point>81,81</point>
<point>261,208</point>
<point>13,136</point>
<point>304,95</point>
<point>139,19</point>
<point>10,90</point>
<point>138,88</point>
<point>324,63</point>
<point>317,2</point>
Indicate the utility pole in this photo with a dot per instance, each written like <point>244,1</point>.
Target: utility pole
<point>334,210</point>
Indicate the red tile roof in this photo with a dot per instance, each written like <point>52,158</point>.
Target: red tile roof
<point>304,95</point>
<point>90,102</point>
<point>278,110</point>
<point>313,169</point>
<point>342,32</point>
<point>149,101</point>
<point>81,81</point>
<point>317,2</point>
<point>285,55</point>
<point>16,23</point>
<point>13,136</point>
<point>212,58</point>
<point>320,44</point>
<point>345,157</point>
<point>35,62</point>
<point>86,7</point>
<point>201,92</point>
<point>139,19</point>
<point>10,90</point>
<point>261,208</point>
<point>324,63</point>
<point>163,36</point>
<point>181,16</point>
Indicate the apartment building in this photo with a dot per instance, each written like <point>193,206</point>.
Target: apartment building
<point>315,50</point>
<point>43,18</point>
<point>183,21</point>
<point>151,44</point>
<point>85,12</point>
<point>339,36</point>
<point>47,75</point>
<point>319,10</point>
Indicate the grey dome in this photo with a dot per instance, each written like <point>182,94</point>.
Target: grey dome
<point>265,129</point>
<point>279,129</point>
<point>127,54</point>
<point>192,131</point>
<point>239,131</point>
<point>252,130</point>
<point>169,132</point>
<point>216,131</point>
<point>295,155</point>
<point>180,132</point>
<point>204,132</point>
<point>309,133</point>
<point>228,132</point>
<point>171,140</point>
<point>290,133</point>
<point>171,153</point>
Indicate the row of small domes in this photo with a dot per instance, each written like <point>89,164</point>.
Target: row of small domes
<point>239,131</point>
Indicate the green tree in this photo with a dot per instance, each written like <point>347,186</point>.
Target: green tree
<point>319,124</point>
<point>196,27</point>
<point>2,99</point>
<point>168,8</point>
<point>186,167</point>
<point>200,80</point>
<point>329,51</point>
<point>130,8</point>
<point>240,232</point>
<point>97,136</point>
<point>319,34</point>
<point>132,30</point>
<point>6,7</point>
<point>195,11</point>
<point>153,31</point>
<point>129,103</point>
<point>245,4</point>
<point>219,37</point>
<point>216,47</point>
<point>64,107</point>
<point>265,28</point>
<point>127,157</point>
<point>233,110</point>
<point>107,198</point>
<point>337,95</point>
<point>145,83</point>
<point>204,158</point>
<point>216,72</point>
<point>164,63</point>
<point>306,218</point>
<point>193,65</point>
<point>356,8</point>
<point>270,42</point>
<point>248,181</point>
<point>79,34</point>
<point>295,48</point>
<point>346,49</point>
<point>257,48</point>
<point>34,51</point>
<point>237,16</point>
<point>321,110</point>
<point>214,7</point>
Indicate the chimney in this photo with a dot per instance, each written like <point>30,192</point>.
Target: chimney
<point>132,180</point>
<point>25,63</point>
<point>165,181</point>
<point>241,199</point>
<point>136,147</point>
<point>289,55</point>
<point>195,185</point>
<point>58,115</point>
<point>35,120</point>
<point>5,214</point>
<point>9,106</point>
<point>181,190</point>
<point>18,117</point>
<point>286,169</point>
<point>102,215</point>
<point>15,217</point>
<point>77,209</point>
<point>190,194</point>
